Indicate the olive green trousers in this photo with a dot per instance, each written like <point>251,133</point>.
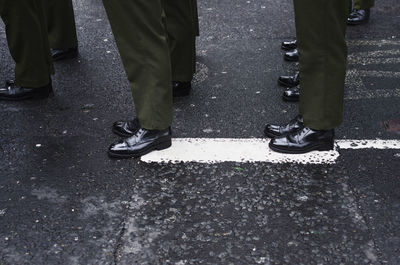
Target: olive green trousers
<point>363,4</point>
<point>196,18</point>
<point>27,39</point>
<point>156,41</point>
<point>320,31</point>
<point>182,27</point>
<point>61,24</point>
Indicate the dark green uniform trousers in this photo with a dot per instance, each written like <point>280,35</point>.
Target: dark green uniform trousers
<point>28,41</point>
<point>153,37</point>
<point>182,27</point>
<point>61,24</point>
<point>363,4</point>
<point>320,31</point>
<point>196,18</point>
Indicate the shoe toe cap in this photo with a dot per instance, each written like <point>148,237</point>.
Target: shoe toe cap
<point>119,146</point>
<point>279,141</point>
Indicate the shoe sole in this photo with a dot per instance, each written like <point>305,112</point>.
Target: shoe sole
<point>315,147</point>
<point>289,99</point>
<point>40,95</point>
<point>356,23</point>
<point>290,59</point>
<point>181,93</point>
<point>160,145</point>
<point>352,23</point>
<point>66,57</point>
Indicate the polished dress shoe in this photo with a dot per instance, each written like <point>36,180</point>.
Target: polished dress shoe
<point>141,143</point>
<point>126,128</point>
<point>63,54</point>
<point>292,56</point>
<point>292,94</point>
<point>273,131</point>
<point>289,80</point>
<point>358,16</point>
<point>303,141</point>
<point>14,92</point>
<point>181,89</point>
<point>289,45</point>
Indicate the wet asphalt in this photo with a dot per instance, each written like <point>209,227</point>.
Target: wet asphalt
<point>63,201</point>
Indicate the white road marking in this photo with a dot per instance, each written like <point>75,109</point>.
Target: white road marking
<point>372,42</point>
<point>369,144</point>
<point>369,61</point>
<point>389,74</point>
<point>378,53</point>
<point>356,89</point>
<point>218,150</point>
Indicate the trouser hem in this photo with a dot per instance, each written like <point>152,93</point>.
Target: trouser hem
<point>31,83</point>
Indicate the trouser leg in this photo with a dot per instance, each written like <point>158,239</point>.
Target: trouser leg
<point>181,38</point>
<point>141,36</point>
<point>320,30</point>
<point>28,41</point>
<point>363,4</point>
<point>61,24</point>
<point>196,18</point>
<point>195,14</point>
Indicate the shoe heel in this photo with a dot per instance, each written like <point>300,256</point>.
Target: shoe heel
<point>326,146</point>
<point>44,92</point>
<point>164,145</point>
<point>181,93</point>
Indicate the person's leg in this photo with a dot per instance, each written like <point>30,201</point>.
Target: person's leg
<point>61,24</point>
<point>28,42</point>
<point>141,37</point>
<point>195,14</point>
<point>361,12</point>
<point>181,39</point>
<point>363,4</point>
<point>320,30</point>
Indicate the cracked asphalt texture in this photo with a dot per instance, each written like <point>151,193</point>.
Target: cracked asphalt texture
<point>63,201</point>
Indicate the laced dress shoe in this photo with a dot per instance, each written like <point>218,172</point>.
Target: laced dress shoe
<point>63,54</point>
<point>273,131</point>
<point>289,80</point>
<point>303,141</point>
<point>141,143</point>
<point>292,56</point>
<point>289,45</point>
<point>292,94</point>
<point>181,89</point>
<point>126,128</point>
<point>14,92</point>
<point>358,16</point>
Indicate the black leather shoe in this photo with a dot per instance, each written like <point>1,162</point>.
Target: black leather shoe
<point>292,56</point>
<point>292,94</point>
<point>63,54</point>
<point>143,142</point>
<point>126,128</point>
<point>303,141</point>
<point>358,16</point>
<point>181,89</point>
<point>273,131</point>
<point>289,45</point>
<point>12,91</point>
<point>289,80</point>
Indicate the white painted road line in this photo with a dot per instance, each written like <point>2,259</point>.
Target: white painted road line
<point>218,150</point>
<point>368,144</point>
<point>378,43</point>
